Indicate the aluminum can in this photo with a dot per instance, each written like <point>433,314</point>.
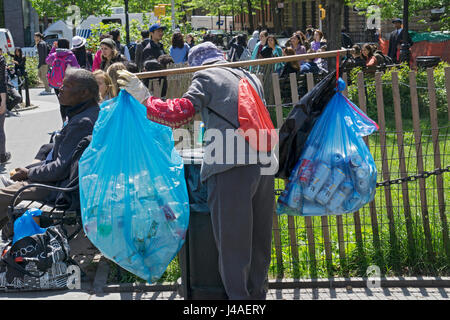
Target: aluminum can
<point>337,160</point>
<point>352,203</point>
<point>319,178</point>
<point>306,167</point>
<point>355,161</point>
<point>333,182</point>
<point>295,196</point>
<point>339,197</point>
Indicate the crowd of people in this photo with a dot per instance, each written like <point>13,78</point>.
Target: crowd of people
<point>242,219</point>
<point>264,45</point>
<point>244,252</point>
<point>150,55</point>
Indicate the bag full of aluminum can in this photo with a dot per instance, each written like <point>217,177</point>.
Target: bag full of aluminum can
<point>335,173</point>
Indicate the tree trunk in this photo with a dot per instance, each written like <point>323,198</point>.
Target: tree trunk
<point>334,12</point>
<point>250,16</point>
<point>263,15</point>
<point>74,28</point>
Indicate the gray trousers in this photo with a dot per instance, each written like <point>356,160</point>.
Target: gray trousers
<point>42,74</point>
<point>7,194</point>
<point>241,202</point>
<point>2,134</point>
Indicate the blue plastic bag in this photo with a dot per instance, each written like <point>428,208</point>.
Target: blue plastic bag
<point>336,173</point>
<point>133,195</point>
<point>25,226</point>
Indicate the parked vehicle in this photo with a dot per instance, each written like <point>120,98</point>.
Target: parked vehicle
<point>6,41</point>
<point>210,22</point>
<point>60,29</point>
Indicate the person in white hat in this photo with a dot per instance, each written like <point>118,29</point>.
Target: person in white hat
<point>84,57</point>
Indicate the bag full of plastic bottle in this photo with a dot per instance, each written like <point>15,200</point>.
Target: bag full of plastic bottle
<point>133,195</point>
<point>335,173</point>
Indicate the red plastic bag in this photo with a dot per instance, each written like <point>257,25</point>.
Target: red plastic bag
<point>255,124</point>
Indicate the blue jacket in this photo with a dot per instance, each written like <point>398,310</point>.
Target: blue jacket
<point>309,67</point>
<point>179,55</point>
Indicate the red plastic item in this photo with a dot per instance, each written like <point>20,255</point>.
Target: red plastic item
<point>255,119</point>
<point>172,112</point>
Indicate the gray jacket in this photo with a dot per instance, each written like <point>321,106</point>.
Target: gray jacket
<point>217,89</point>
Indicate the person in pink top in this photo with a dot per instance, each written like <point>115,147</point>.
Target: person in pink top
<point>61,51</point>
<point>98,55</point>
<point>97,61</point>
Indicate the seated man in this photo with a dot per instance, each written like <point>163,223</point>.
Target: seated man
<point>79,96</point>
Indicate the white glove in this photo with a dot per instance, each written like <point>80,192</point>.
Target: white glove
<point>128,81</point>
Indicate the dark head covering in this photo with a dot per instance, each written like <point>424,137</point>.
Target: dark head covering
<point>109,42</point>
<point>204,53</point>
<point>63,43</point>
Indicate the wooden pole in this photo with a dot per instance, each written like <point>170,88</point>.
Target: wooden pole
<point>168,72</point>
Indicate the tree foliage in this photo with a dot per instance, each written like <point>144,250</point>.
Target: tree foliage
<point>394,8</point>
<point>62,9</point>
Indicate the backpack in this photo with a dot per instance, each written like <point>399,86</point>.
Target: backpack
<point>49,48</point>
<point>36,262</point>
<point>132,50</point>
<point>253,117</point>
<point>56,73</point>
<point>246,55</point>
<point>383,59</point>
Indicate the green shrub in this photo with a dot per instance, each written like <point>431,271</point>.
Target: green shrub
<point>32,71</point>
<point>405,97</point>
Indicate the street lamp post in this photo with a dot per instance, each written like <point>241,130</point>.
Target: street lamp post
<point>173,15</point>
<point>404,48</point>
<point>127,23</point>
<point>232,14</point>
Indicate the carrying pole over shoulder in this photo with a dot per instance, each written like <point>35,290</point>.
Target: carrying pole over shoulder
<point>258,62</point>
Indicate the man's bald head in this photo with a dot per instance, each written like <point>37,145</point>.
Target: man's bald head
<point>85,82</point>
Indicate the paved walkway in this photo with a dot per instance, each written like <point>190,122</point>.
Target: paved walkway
<point>24,136</point>
<point>274,294</point>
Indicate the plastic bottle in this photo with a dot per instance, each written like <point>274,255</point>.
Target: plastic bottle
<point>201,133</point>
<point>330,187</point>
<point>319,178</point>
<point>339,197</point>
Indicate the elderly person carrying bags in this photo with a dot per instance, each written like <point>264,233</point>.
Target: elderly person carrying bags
<point>240,195</point>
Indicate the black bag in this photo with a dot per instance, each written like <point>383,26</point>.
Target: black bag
<point>383,59</point>
<point>132,50</point>
<point>37,262</point>
<point>300,121</point>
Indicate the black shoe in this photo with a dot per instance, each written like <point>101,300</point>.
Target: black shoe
<point>5,157</point>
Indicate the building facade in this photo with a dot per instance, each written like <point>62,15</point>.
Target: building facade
<point>21,19</point>
<point>289,15</point>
